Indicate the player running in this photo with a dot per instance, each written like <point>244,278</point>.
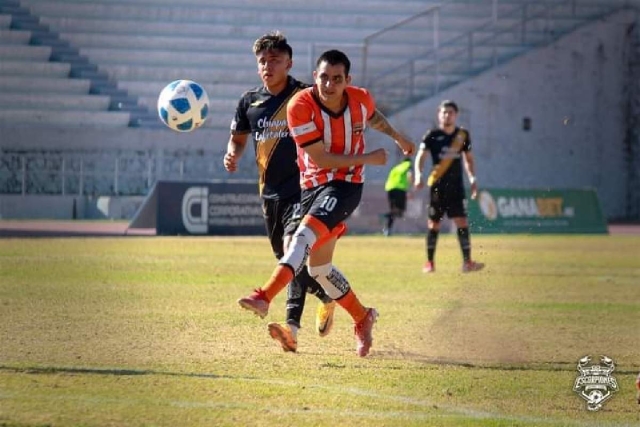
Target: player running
<point>327,122</point>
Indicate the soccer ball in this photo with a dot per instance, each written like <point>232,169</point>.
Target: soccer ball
<point>183,105</point>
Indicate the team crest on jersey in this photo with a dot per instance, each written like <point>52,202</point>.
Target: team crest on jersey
<point>358,128</point>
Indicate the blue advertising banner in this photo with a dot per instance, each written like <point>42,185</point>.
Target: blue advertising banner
<point>202,208</point>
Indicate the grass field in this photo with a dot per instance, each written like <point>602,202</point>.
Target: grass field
<point>145,331</point>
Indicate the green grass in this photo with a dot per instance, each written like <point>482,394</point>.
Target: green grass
<point>146,332</point>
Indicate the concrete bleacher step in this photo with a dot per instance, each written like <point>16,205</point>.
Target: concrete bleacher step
<point>247,31</point>
<point>105,56</point>
<point>202,75</point>
<point>153,42</point>
<point>30,84</point>
<point>408,7</point>
<point>33,68</point>
<point>53,101</point>
<point>5,21</point>
<point>54,118</point>
<point>215,14</point>
<point>13,37</point>
<point>25,52</point>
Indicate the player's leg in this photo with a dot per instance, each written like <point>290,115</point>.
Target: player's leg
<point>302,284</point>
<point>338,288</point>
<point>434,216</point>
<point>457,211</point>
<point>292,215</point>
<point>399,203</point>
<point>395,198</point>
<point>290,264</point>
<point>275,215</point>
<point>388,217</point>
<point>334,206</point>
<point>330,205</point>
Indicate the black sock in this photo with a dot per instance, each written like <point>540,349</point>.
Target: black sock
<point>295,302</point>
<point>432,240</point>
<point>465,243</point>
<point>389,221</point>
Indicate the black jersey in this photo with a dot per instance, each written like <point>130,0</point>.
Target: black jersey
<point>265,116</point>
<point>439,144</point>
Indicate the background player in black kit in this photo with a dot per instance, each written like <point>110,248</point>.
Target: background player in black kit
<point>447,145</point>
<point>262,113</point>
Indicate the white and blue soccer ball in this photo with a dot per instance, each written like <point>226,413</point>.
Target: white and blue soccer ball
<point>183,105</point>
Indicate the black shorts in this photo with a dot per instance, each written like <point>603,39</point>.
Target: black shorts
<point>397,200</point>
<point>333,202</point>
<point>281,218</point>
<point>451,203</point>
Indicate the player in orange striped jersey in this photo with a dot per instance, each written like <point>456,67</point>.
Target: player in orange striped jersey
<point>327,122</point>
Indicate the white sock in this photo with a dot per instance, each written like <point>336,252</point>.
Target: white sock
<point>294,331</point>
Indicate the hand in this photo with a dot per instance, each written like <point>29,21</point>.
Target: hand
<point>417,182</point>
<point>378,157</point>
<point>474,190</point>
<point>407,146</point>
<point>230,162</point>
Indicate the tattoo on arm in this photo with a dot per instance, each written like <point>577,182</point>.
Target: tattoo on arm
<point>380,123</point>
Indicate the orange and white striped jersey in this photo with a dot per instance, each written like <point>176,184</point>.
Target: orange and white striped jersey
<point>341,133</point>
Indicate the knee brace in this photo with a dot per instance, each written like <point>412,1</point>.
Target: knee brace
<point>298,252</point>
<point>331,279</point>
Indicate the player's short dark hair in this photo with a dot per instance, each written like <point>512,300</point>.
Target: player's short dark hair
<point>274,40</point>
<point>335,57</point>
<point>447,103</point>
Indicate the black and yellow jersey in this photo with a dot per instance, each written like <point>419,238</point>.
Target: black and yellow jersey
<point>443,151</point>
<point>265,116</point>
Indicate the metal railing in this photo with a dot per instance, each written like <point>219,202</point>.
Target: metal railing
<point>451,40</point>
<point>105,172</point>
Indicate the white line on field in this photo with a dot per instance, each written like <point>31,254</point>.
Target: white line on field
<point>447,411</point>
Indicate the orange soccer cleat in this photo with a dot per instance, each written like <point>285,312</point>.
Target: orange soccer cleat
<point>363,331</point>
<point>284,335</point>
<point>256,302</point>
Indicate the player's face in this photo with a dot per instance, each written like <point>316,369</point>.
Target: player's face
<point>273,66</point>
<point>331,81</point>
<point>447,117</point>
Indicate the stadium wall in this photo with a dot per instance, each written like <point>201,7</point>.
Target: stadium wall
<point>573,92</point>
<point>68,207</point>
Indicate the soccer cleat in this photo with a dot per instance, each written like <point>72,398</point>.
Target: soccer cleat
<point>256,302</point>
<point>469,266</point>
<point>429,267</point>
<point>324,318</point>
<point>283,335</point>
<point>363,330</point>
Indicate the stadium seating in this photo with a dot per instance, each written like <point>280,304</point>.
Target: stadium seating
<point>141,44</point>
<point>464,38</point>
<point>35,91</point>
<point>100,65</point>
<point>144,45</point>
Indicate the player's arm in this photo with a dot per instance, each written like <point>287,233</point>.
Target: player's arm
<point>235,148</point>
<point>470,166</point>
<point>380,123</point>
<point>418,166</point>
<point>327,160</point>
<point>410,190</point>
